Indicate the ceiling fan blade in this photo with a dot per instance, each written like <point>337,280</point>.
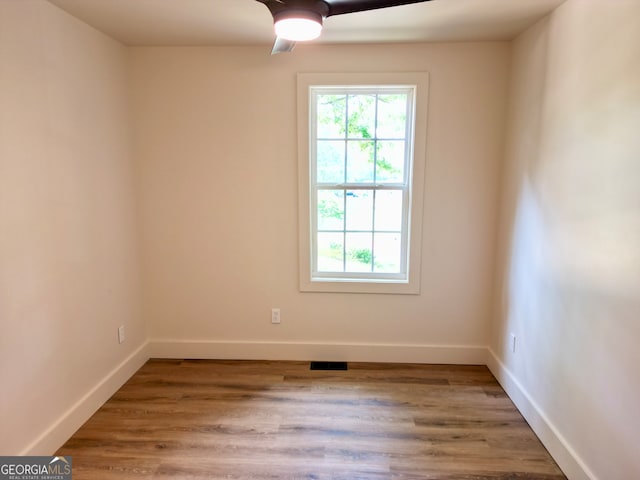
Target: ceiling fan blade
<point>340,7</point>
<point>282,45</point>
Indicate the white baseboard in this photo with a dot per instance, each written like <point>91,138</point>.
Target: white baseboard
<point>55,436</point>
<point>468,355</point>
<point>60,431</point>
<point>568,460</point>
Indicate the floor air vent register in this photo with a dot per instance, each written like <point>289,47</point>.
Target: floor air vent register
<point>329,366</point>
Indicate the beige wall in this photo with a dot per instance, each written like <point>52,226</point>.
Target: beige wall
<point>569,272</point>
<point>68,258</point>
<point>214,145</point>
<point>216,152</point>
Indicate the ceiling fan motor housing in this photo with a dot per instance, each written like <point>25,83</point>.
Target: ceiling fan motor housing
<point>298,13</point>
<point>315,10</point>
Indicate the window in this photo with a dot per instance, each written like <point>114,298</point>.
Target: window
<point>361,170</point>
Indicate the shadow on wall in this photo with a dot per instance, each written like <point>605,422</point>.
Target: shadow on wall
<point>570,278</point>
<point>571,299</point>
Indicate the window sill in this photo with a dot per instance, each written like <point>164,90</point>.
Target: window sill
<point>359,286</point>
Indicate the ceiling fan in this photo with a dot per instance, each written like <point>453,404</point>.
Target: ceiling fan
<point>301,20</point>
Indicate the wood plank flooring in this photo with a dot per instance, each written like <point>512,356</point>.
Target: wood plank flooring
<point>200,419</point>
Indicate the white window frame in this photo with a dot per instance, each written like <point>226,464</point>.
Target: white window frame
<point>408,282</point>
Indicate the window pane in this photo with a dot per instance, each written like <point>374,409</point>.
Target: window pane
<point>390,161</point>
<point>330,161</point>
<point>362,116</point>
<point>392,116</point>
<point>388,214</point>
<point>387,252</point>
<point>330,252</point>
<point>359,253</point>
<point>360,210</point>
<point>330,210</point>
<point>331,116</point>
<point>360,161</point>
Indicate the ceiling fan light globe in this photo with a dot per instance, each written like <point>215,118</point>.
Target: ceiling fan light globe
<point>298,29</point>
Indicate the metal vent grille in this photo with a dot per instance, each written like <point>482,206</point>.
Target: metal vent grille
<point>329,366</point>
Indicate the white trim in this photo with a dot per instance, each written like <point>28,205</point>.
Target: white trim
<point>416,180</point>
<point>71,420</point>
<point>303,351</point>
<point>559,448</point>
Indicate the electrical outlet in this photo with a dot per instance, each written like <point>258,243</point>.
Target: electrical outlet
<point>121,334</point>
<point>513,343</point>
<point>275,315</point>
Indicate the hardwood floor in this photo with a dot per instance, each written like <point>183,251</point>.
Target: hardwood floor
<point>199,419</point>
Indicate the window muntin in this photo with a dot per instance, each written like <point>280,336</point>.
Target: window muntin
<point>361,150</point>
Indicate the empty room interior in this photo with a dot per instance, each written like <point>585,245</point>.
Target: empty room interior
<point>169,249</point>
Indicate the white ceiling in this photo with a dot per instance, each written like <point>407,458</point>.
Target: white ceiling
<point>247,22</point>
